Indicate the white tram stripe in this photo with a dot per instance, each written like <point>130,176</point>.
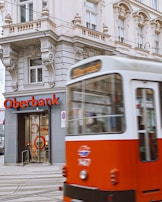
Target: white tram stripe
<point>123,136</point>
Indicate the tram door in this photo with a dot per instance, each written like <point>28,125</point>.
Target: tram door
<point>146,102</point>
<point>36,137</point>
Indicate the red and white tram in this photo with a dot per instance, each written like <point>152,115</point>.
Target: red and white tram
<point>114,131</point>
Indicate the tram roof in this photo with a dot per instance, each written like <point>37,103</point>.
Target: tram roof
<point>129,63</point>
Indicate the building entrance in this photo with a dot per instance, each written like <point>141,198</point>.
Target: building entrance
<point>36,136</point>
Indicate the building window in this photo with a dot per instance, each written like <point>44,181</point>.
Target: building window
<point>26,10</point>
<point>121,30</point>
<point>140,36</point>
<point>156,43</point>
<point>35,70</point>
<point>154,4</point>
<point>91,15</point>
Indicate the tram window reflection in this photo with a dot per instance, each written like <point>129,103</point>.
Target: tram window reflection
<point>102,96</point>
<point>146,120</point>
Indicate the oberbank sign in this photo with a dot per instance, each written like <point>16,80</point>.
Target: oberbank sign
<point>14,103</point>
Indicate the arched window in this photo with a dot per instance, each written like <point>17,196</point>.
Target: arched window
<point>122,10</point>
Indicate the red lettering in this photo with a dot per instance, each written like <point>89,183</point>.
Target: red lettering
<point>8,103</point>
<point>22,104</point>
<point>54,100</point>
<point>41,102</point>
<point>48,101</point>
<point>34,102</point>
<point>27,103</point>
<point>15,104</point>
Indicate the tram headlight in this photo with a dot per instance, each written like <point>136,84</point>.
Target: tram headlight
<point>83,175</point>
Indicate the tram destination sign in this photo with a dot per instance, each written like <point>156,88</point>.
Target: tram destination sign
<point>85,69</point>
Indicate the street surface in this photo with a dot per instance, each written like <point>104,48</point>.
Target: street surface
<point>30,183</point>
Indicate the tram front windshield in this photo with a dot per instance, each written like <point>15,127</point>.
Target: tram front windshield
<point>96,106</point>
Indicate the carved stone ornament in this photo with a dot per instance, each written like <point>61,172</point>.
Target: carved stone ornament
<point>85,52</point>
<point>48,61</point>
<point>77,19</point>
<point>45,12</point>
<point>2,4</point>
<point>141,18</point>
<point>11,66</point>
<point>8,19</point>
<point>122,10</point>
<point>157,25</point>
<point>78,52</point>
<point>105,29</point>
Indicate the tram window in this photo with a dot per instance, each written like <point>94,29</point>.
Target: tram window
<point>146,124</point>
<point>96,106</point>
<point>75,95</point>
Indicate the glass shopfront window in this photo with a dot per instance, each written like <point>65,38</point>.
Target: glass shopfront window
<point>36,136</point>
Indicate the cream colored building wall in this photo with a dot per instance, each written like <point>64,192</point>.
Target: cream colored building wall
<point>63,31</point>
<point>130,45</point>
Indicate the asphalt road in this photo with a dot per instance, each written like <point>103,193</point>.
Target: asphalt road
<point>30,183</point>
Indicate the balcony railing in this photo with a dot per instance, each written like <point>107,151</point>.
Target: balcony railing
<point>26,27</point>
<point>90,34</point>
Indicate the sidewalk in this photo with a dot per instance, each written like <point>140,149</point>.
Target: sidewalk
<point>30,183</point>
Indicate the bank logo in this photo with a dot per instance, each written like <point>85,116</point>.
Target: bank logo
<point>84,151</point>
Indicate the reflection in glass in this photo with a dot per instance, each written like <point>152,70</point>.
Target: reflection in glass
<point>96,106</point>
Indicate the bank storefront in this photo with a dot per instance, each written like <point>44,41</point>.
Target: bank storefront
<point>35,129</point>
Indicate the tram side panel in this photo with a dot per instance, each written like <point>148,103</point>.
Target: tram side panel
<point>104,159</point>
<point>110,164</point>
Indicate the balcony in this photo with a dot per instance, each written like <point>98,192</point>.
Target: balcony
<point>27,32</point>
<point>91,35</point>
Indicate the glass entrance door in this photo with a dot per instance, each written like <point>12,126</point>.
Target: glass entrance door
<point>36,137</point>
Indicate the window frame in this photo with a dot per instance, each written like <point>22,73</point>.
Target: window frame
<point>36,68</point>
<point>155,4</point>
<point>121,30</point>
<point>28,15</point>
<point>157,42</point>
<point>140,36</point>
<point>147,127</point>
<point>91,16</point>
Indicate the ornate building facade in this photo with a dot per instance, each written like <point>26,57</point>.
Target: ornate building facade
<point>40,40</point>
